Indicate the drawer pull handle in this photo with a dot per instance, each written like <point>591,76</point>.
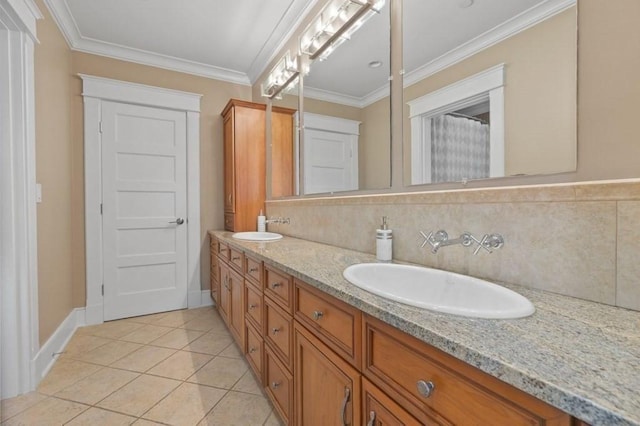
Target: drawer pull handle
<point>425,388</point>
<point>345,401</point>
<point>253,270</point>
<point>234,258</point>
<point>252,350</point>
<point>276,285</point>
<point>276,330</point>
<point>317,315</point>
<point>275,385</point>
<point>253,306</point>
<point>372,419</point>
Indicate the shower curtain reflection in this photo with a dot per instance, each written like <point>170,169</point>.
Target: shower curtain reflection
<point>460,148</point>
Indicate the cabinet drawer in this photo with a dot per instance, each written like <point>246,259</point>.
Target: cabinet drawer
<point>401,364</point>
<point>255,351</point>
<point>333,321</point>
<point>223,251</point>
<point>253,306</point>
<point>236,259</point>
<point>278,331</point>
<point>253,270</point>
<point>279,385</point>
<point>380,410</point>
<point>278,285</point>
<point>229,221</point>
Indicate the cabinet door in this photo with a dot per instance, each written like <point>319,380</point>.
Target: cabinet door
<point>225,292</point>
<point>380,410</point>
<point>282,160</point>
<point>327,388</point>
<point>229,163</point>
<point>236,316</point>
<point>215,271</point>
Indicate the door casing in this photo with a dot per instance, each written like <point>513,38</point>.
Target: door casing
<point>94,91</point>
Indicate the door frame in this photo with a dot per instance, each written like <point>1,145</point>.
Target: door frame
<point>94,91</point>
<point>19,327</point>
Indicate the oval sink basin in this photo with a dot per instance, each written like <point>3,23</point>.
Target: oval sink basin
<point>439,290</point>
<point>257,236</point>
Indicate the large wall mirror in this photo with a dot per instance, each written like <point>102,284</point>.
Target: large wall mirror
<point>489,91</point>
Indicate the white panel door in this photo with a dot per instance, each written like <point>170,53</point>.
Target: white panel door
<point>144,210</point>
<point>330,161</point>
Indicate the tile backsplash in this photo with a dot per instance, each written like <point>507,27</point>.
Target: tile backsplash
<point>580,239</point>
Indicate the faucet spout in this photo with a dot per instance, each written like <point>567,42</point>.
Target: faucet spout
<point>441,239</point>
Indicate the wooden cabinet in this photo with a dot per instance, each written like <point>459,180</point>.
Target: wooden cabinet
<point>430,384</point>
<point>327,388</point>
<point>244,164</point>
<point>282,152</point>
<point>231,295</point>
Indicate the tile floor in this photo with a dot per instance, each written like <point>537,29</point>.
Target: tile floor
<point>172,368</point>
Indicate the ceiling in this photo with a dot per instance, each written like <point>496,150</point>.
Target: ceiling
<point>235,40</point>
<point>231,40</point>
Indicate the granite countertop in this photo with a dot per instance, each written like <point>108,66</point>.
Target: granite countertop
<point>579,356</point>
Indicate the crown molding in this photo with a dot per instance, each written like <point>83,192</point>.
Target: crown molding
<point>353,101</point>
<point>517,24</point>
<point>63,18</point>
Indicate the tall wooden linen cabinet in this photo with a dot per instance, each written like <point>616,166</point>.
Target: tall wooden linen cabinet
<point>245,160</point>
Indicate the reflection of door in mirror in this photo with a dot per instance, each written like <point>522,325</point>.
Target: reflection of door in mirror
<point>282,152</point>
<point>330,154</point>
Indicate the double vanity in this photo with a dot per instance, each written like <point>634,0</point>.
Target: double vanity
<point>331,344</point>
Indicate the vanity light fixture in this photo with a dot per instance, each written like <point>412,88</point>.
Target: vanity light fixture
<point>282,75</point>
<point>335,24</point>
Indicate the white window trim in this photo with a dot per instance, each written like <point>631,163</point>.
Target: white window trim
<point>486,85</point>
<point>94,91</point>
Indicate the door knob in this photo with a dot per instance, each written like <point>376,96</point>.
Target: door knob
<point>178,221</point>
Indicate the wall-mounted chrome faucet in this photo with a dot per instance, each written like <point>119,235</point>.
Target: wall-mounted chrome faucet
<point>489,242</point>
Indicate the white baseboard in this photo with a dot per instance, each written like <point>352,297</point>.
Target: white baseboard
<point>198,299</point>
<point>47,355</point>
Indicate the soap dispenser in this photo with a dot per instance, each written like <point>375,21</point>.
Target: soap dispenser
<point>384,242</point>
<point>262,222</point>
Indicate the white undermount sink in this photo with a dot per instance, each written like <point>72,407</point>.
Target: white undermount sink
<point>257,236</point>
<point>439,290</point>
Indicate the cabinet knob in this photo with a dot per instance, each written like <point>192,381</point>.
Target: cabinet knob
<point>235,258</point>
<point>253,270</point>
<point>317,315</point>
<point>275,385</point>
<point>276,285</point>
<point>253,306</point>
<point>275,330</point>
<point>425,388</point>
<point>252,350</point>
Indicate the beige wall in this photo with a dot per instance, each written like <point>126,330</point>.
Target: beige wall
<point>375,146</point>
<point>54,172</point>
<point>608,89</point>
<point>540,96</point>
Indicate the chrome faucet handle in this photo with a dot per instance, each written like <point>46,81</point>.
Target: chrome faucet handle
<point>434,240</point>
<point>489,242</point>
